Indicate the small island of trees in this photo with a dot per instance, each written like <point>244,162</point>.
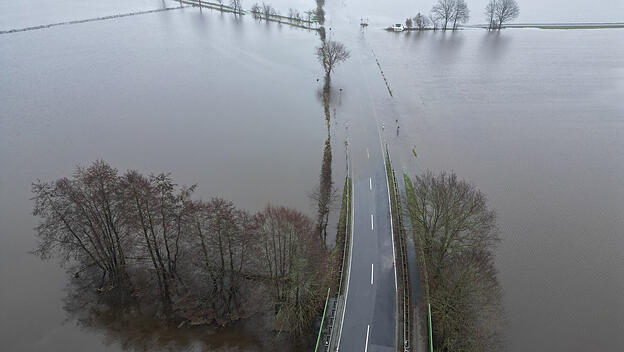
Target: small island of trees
<point>142,243</point>
<point>450,14</point>
<point>455,234</point>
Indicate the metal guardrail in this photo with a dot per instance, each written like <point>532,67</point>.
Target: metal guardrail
<point>328,330</point>
<point>400,231</point>
<point>403,255</point>
<point>318,338</point>
<point>337,301</point>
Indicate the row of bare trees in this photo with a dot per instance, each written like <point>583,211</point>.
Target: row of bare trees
<point>142,240</point>
<point>263,9</point>
<point>443,14</point>
<point>453,12</point>
<point>266,11</point>
<point>235,7</point>
<point>456,234</point>
<point>449,14</point>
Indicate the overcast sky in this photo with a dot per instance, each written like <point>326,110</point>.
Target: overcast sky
<point>531,11</point>
<point>556,10</point>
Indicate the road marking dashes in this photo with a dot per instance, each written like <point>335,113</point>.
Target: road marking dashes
<point>372,271</point>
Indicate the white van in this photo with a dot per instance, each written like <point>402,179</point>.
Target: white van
<point>398,27</point>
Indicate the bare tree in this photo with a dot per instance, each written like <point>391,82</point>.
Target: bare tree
<point>435,21</point>
<point>456,233</point>
<point>82,220</point>
<point>506,10</point>
<point>461,220</point>
<point>256,10</point>
<point>408,23</point>
<point>267,10</point>
<point>421,21</point>
<point>156,212</point>
<point>330,54</point>
<point>236,6</point>
<point>443,11</point>
<point>223,237</point>
<point>461,13</point>
<point>296,265</point>
<point>490,13</point>
<point>467,289</point>
<point>310,15</point>
<point>220,3</point>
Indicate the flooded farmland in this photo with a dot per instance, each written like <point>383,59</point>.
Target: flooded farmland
<point>534,118</point>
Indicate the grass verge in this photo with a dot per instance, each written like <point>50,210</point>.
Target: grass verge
<point>343,231</point>
<point>404,308</point>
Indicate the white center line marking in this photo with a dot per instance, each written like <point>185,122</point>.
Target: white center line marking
<point>372,228</point>
<point>372,270</point>
<point>367,154</point>
<point>367,332</point>
<point>370,183</point>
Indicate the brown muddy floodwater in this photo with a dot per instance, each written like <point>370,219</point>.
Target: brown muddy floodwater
<point>535,118</point>
<point>229,104</point>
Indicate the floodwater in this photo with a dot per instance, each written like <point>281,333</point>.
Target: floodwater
<point>534,118</point>
<point>229,104</point>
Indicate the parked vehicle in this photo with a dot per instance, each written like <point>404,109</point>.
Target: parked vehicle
<point>398,27</point>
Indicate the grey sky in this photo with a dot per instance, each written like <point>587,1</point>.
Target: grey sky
<point>557,10</point>
<point>531,11</point>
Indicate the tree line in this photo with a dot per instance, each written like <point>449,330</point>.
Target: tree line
<point>142,241</point>
<point>453,13</point>
<point>456,233</point>
<point>266,10</point>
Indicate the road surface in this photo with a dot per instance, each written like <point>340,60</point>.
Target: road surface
<point>369,322</point>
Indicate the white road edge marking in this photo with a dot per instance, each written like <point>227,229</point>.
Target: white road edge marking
<point>396,288</point>
<point>372,271</point>
<point>372,228</point>
<point>370,183</point>
<point>367,153</point>
<point>367,332</point>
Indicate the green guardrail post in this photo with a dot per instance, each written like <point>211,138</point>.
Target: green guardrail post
<point>430,330</point>
<point>318,339</point>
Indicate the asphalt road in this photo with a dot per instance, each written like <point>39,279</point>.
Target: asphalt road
<point>370,313</point>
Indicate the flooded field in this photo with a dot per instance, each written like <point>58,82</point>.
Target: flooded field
<point>229,104</point>
<point>533,117</point>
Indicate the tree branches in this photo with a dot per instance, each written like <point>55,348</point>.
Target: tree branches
<point>330,54</point>
<point>457,232</point>
<point>448,11</point>
<point>499,12</point>
<point>197,261</point>
<point>296,263</point>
